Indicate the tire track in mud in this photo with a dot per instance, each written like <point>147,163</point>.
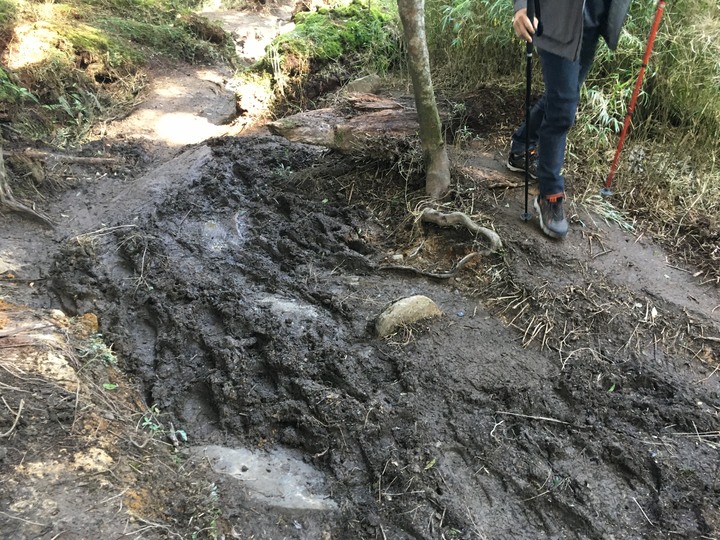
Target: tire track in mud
<point>244,301</point>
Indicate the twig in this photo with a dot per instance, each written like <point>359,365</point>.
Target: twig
<point>9,516</point>
<point>541,418</point>
<point>143,445</point>
<point>710,338</point>
<point>17,418</point>
<point>114,496</point>
<point>437,275</point>
<point>101,232</point>
<point>643,512</point>
<point>154,525</point>
<point>714,371</point>
<point>8,387</point>
<point>536,496</point>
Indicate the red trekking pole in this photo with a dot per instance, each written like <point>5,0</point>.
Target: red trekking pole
<point>606,191</point>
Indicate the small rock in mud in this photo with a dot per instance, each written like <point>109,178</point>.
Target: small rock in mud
<point>406,311</point>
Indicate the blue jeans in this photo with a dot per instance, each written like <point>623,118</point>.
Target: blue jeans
<point>554,114</point>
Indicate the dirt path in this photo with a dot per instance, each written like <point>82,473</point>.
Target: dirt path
<point>570,390</point>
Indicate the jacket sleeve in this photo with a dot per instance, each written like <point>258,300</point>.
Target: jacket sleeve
<point>520,4</point>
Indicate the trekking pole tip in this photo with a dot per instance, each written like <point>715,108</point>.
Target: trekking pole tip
<point>526,216</point>
<point>607,192</point>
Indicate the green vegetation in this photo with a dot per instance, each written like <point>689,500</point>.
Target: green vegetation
<point>367,36</point>
<point>81,61</point>
<point>338,42</point>
<point>668,173</point>
<point>94,349</point>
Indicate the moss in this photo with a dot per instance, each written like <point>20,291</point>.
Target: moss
<point>356,32</point>
<point>116,54</point>
<point>168,39</point>
<point>149,11</point>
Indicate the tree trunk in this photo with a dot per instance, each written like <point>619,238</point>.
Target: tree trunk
<point>437,164</point>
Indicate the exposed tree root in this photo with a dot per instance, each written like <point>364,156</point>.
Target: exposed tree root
<point>452,219</point>
<point>8,202</point>
<point>461,218</point>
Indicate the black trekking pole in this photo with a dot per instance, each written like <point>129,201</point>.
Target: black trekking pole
<point>527,216</point>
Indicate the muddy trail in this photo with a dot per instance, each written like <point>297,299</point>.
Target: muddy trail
<point>569,390</point>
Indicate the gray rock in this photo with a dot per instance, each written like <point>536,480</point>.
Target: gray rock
<point>404,312</point>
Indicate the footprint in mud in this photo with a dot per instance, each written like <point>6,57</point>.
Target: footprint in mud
<point>275,478</point>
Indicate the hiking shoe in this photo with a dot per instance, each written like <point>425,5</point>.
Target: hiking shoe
<point>516,163</point>
<point>552,216</point>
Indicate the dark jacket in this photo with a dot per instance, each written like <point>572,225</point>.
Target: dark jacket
<point>561,25</point>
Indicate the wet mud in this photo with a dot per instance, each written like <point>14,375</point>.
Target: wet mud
<point>555,398</point>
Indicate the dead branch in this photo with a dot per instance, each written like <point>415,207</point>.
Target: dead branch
<point>437,275</point>
<point>88,160</point>
<point>17,418</point>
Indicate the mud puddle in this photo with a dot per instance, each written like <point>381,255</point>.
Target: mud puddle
<point>551,400</point>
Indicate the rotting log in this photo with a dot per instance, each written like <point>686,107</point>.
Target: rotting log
<point>348,133</point>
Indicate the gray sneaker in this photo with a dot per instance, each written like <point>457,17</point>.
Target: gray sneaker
<point>552,216</point>
<point>516,163</point>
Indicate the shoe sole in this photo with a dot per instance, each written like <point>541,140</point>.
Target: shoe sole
<point>519,169</point>
<point>545,229</point>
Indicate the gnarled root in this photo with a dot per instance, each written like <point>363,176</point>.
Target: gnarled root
<point>460,218</point>
<point>7,201</point>
<point>452,219</point>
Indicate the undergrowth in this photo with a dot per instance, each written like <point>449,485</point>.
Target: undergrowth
<point>66,67</point>
<point>332,45</point>
<point>668,175</point>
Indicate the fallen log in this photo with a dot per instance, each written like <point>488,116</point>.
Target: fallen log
<point>336,130</point>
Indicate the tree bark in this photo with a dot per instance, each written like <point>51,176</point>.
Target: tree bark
<point>437,164</point>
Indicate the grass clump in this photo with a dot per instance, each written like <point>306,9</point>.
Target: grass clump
<point>359,33</point>
<point>471,41</point>
<point>329,46</point>
<point>668,174</point>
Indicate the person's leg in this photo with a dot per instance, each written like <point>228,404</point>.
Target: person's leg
<point>594,19</point>
<point>537,113</point>
<point>563,79</point>
<point>595,14</point>
<point>562,93</point>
